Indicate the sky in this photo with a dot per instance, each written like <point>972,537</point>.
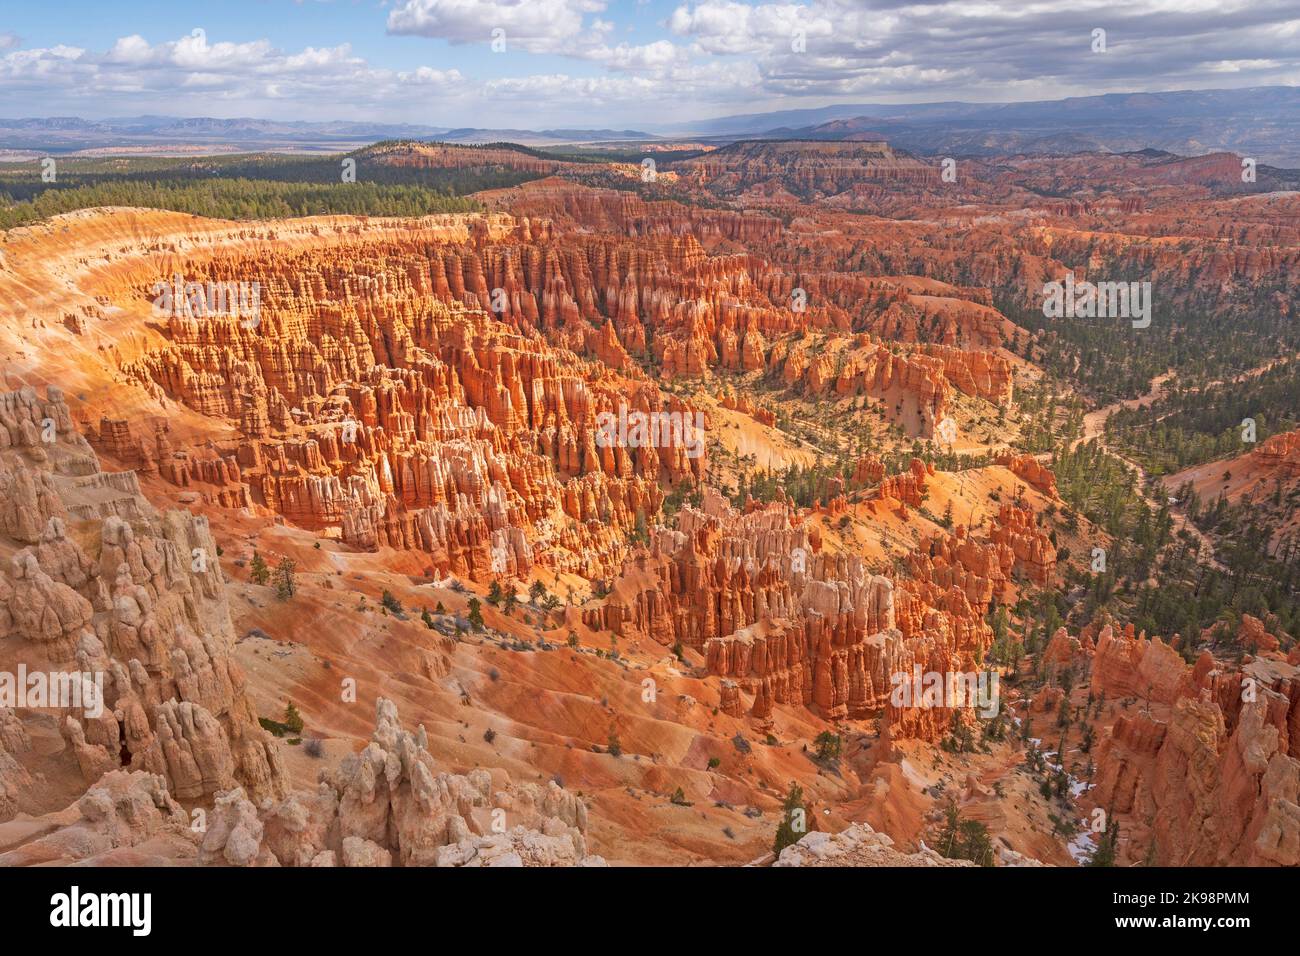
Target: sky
<point>620,64</point>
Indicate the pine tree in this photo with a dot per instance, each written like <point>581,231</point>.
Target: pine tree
<point>828,746</point>
<point>292,719</point>
<point>965,839</point>
<point>1104,853</point>
<point>258,572</point>
<point>285,585</point>
<point>794,820</point>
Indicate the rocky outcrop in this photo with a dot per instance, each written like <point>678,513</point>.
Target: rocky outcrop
<point>745,405</point>
<point>390,805</point>
<point>975,371</point>
<point>908,487</point>
<point>386,806</point>
<point>1129,665</point>
<point>427,413</point>
<point>1032,472</point>
<point>1217,782</point>
<point>789,625</point>
<point>913,389</point>
<point>137,605</point>
<point>1064,652</point>
<point>1017,529</point>
<point>127,818</point>
<point>1281,453</point>
<point>803,168</point>
<point>857,846</point>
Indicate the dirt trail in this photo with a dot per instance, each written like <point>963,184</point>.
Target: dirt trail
<point>1204,546</point>
<point>1094,422</point>
<point>1094,429</point>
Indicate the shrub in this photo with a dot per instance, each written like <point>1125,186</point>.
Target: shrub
<point>794,823</point>
<point>285,585</point>
<point>258,572</point>
<point>829,746</point>
<point>475,614</point>
<point>965,840</point>
<point>293,719</point>
<point>291,724</point>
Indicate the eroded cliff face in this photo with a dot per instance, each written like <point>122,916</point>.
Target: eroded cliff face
<point>805,169</point>
<point>99,583</point>
<point>379,398</point>
<point>787,623</point>
<point>424,398</point>
<point>1208,770</point>
<point>1280,455</point>
<point>436,386</point>
<point>389,805</point>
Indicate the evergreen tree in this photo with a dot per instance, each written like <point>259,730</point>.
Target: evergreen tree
<point>475,614</point>
<point>258,572</point>
<point>292,719</point>
<point>794,820</point>
<point>1104,852</point>
<point>285,584</point>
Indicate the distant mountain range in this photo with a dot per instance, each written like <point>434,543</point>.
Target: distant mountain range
<point>1262,122</point>
<point>70,133</point>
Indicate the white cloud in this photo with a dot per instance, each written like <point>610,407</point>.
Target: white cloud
<point>723,26</point>
<point>537,26</point>
<point>188,74</point>
<point>712,56</point>
<point>983,49</point>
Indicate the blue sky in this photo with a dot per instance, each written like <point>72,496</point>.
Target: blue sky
<point>615,63</point>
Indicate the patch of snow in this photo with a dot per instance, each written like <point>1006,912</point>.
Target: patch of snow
<point>913,775</point>
<point>1081,847</point>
